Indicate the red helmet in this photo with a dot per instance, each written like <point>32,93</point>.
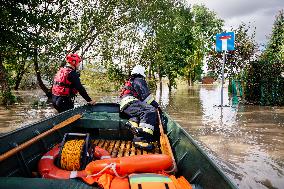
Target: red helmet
<point>70,58</point>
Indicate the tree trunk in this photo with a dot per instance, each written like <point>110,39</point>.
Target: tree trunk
<point>5,88</point>
<point>20,76</point>
<point>160,82</point>
<point>38,76</point>
<point>170,84</point>
<point>19,79</point>
<point>149,70</point>
<point>189,80</point>
<point>160,78</point>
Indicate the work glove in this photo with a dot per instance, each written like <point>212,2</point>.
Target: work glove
<point>93,102</point>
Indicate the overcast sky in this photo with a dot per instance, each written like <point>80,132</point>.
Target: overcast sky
<point>259,13</point>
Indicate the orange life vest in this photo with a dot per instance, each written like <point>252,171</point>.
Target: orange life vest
<point>150,180</point>
<point>157,181</point>
<point>61,84</point>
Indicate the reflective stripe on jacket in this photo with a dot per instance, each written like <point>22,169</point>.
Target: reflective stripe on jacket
<point>125,101</point>
<point>149,99</point>
<point>147,128</point>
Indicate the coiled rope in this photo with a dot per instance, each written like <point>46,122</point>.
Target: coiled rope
<point>71,155</point>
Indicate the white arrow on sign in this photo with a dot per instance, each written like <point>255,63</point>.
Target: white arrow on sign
<point>224,41</point>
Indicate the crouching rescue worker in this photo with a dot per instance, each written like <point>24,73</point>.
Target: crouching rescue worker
<point>67,84</point>
<point>138,103</point>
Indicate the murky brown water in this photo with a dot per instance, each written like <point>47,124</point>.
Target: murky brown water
<point>25,112</point>
<point>246,141</point>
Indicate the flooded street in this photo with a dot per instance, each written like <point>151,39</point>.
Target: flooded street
<point>246,141</point>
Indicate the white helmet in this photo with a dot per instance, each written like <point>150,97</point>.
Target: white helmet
<point>138,69</point>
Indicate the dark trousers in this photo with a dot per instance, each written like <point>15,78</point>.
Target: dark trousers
<point>62,103</point>
<point>141,112</point>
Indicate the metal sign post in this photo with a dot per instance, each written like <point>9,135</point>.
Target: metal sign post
<point>223,64</point>
<point>224,42</point>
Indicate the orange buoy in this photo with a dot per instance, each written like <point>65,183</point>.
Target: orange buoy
<point>48,169</point>
<point>101,153</point>
<point>121,166</point>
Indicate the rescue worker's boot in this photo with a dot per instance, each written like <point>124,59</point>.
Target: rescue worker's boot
<point>141,143</point>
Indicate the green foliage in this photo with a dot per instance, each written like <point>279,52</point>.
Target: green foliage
<point>275,48</point>
<point>264,83</point>
<point>7,98</point>
<point>166,36</point>
<point>212,74</point>
<point>115,74</point>
<point>152,84</point>
<point>100,79</point>
<point>31,36</point>
<point>38,103</point>
<point>204,25</point>
<point>179,43</point>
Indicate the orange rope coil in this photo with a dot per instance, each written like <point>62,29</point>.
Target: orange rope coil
<point>71,155</point>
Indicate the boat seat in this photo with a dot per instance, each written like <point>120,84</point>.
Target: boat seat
<point>36,183</point>
<point>102,120</point>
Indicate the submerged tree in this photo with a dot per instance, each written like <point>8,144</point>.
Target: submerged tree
<point>205,26</point>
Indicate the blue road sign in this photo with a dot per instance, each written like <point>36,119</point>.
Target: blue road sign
<point>225,41</point>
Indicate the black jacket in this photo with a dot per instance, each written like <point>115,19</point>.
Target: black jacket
<point>140,86</point>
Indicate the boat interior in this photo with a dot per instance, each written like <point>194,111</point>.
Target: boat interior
<point>106,128</point>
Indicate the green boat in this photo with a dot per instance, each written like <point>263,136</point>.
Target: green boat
<point>103,122</point>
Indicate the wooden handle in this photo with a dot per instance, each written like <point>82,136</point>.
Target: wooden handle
<point>31,141</point>
<point>165,143</point>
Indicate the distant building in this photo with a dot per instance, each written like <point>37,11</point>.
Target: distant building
<point>207,80</point>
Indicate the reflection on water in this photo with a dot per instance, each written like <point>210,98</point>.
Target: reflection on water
<point>246,141</point>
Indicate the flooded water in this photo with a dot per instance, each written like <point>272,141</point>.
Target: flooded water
<point>245,141</point>
<point>31,108</point>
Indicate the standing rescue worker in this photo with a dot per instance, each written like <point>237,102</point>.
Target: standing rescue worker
<point>138,103</point>
<point>67,84</point>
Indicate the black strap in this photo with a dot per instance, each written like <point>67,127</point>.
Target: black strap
<point>61,84</point>
<point>128,88</point>
<point>167,186</point>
